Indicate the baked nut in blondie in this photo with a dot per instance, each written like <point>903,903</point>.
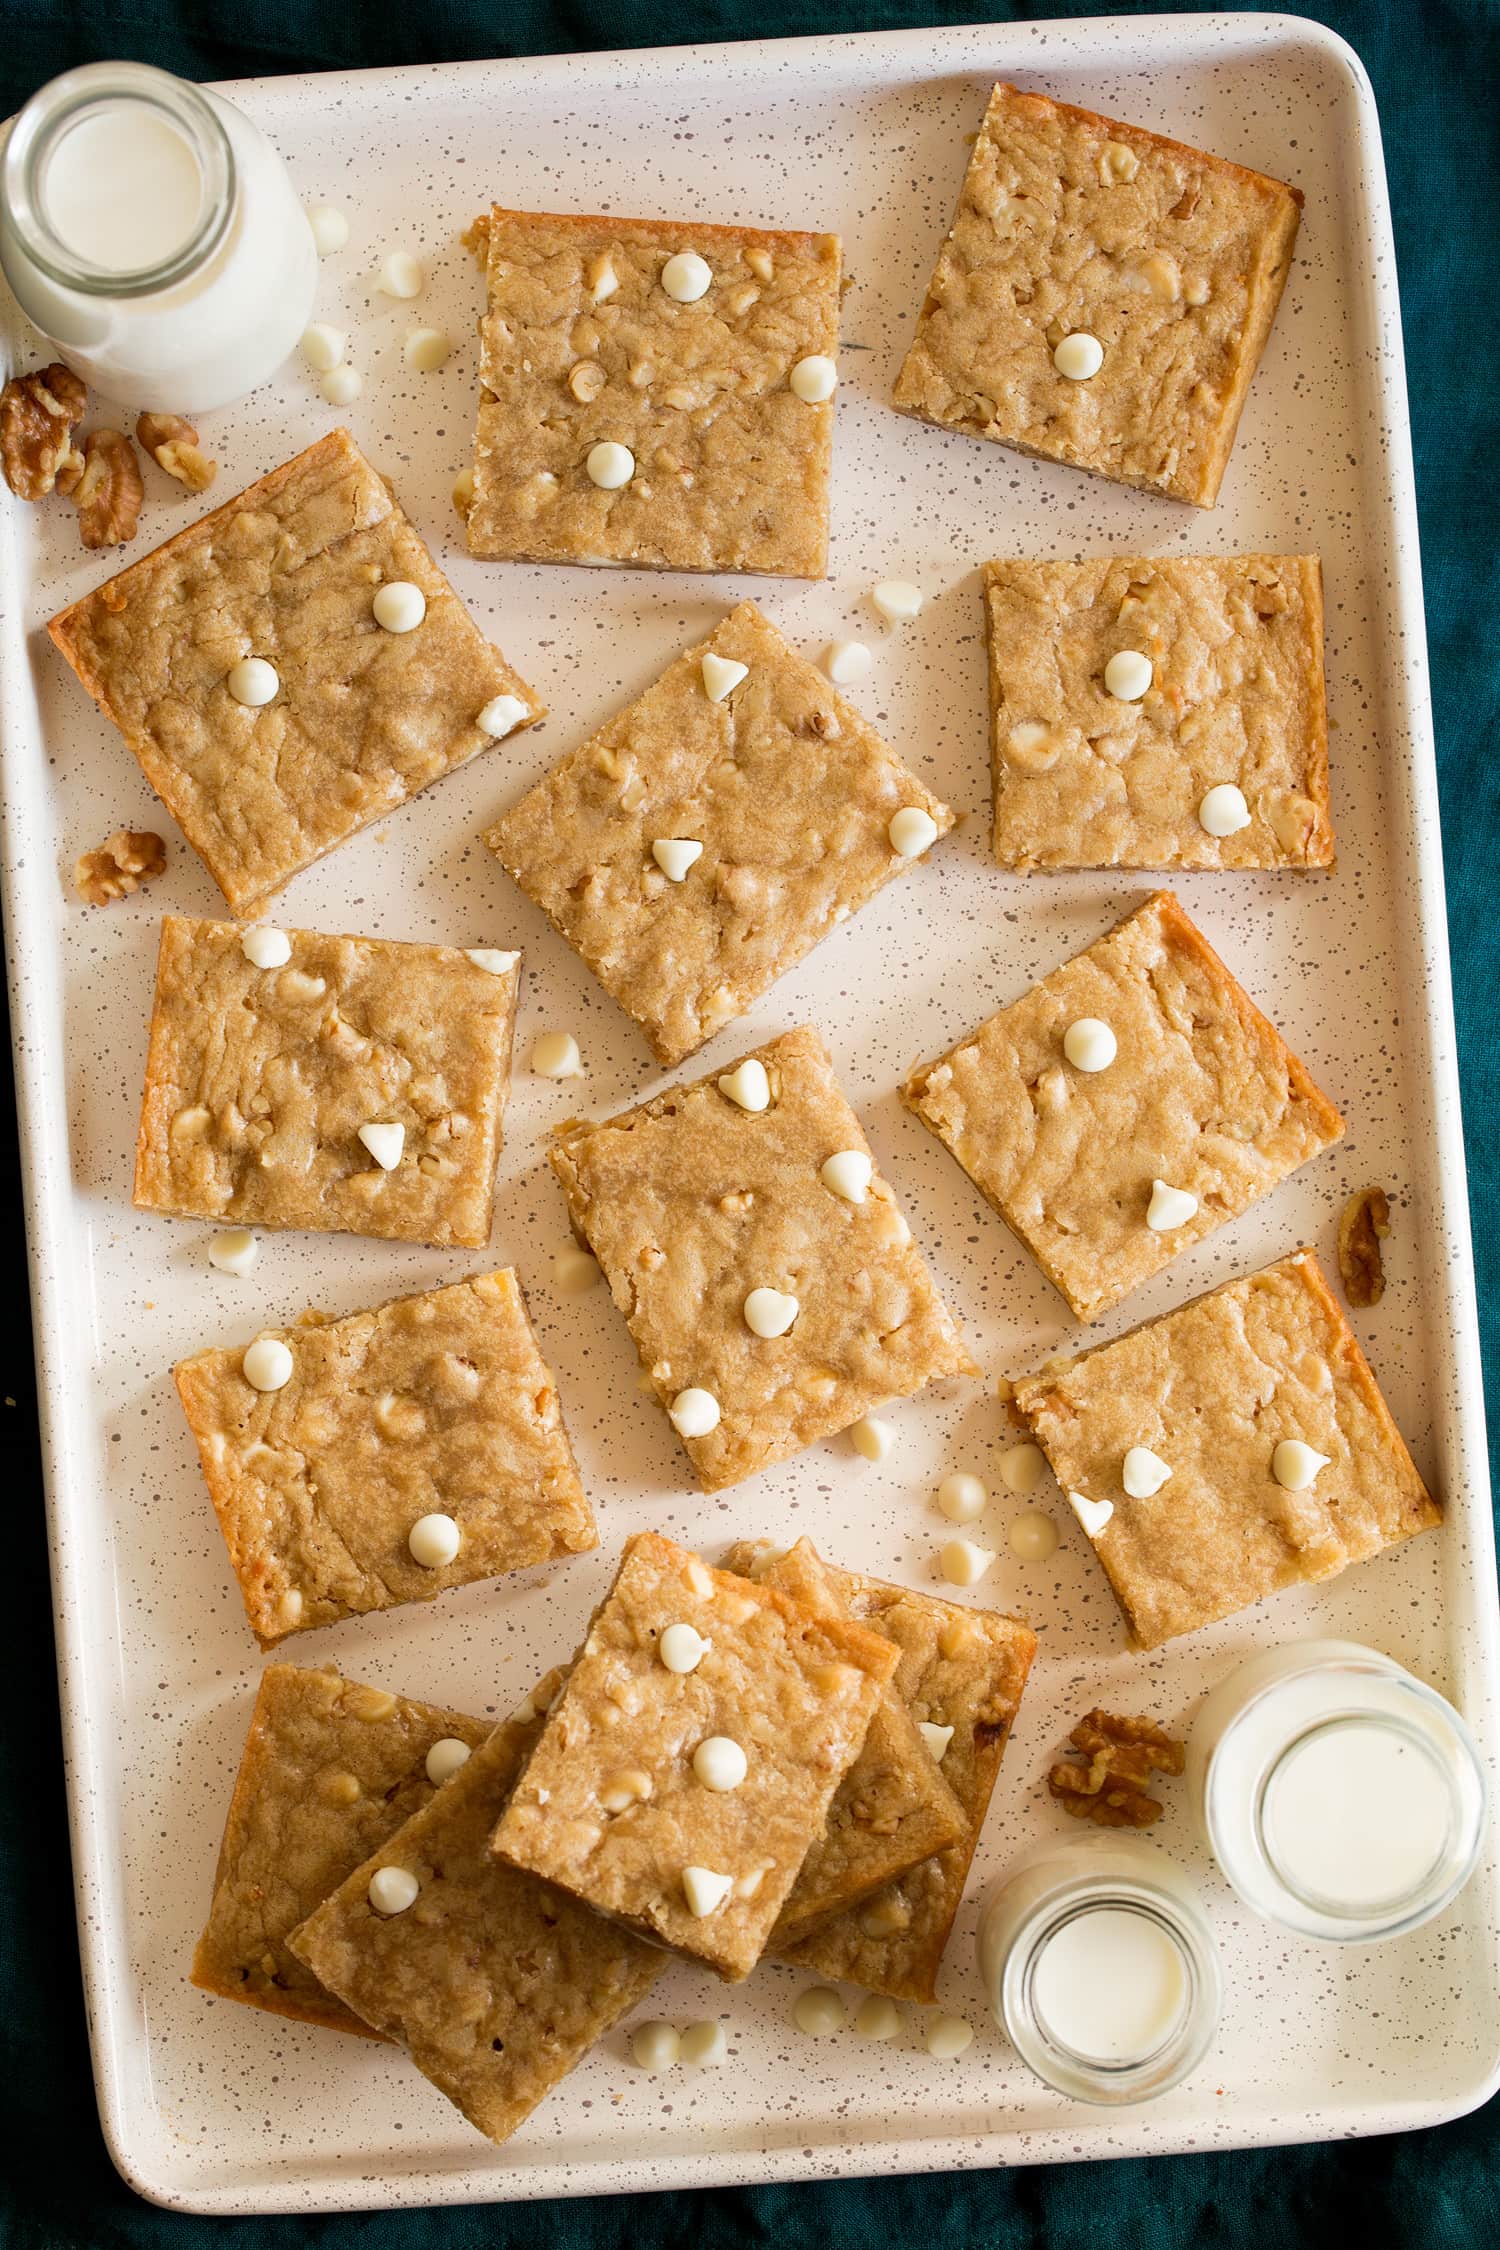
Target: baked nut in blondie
<point>1103,297</point>
<point>769,1307</point>
<point>495,1984</point>
<point>385,1458</point>
<point>331,1769</point>
<point>246,664</point>
<point>1159,713</point>
<point>708,836</point>
<point>655,394</point>
<point>690,1761</point>
<point>297,1080</point>
<point>1265,1455</point>
<point>1131,1103</point>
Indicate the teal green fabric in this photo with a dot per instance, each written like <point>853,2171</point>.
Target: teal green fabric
<point>1435,65</point>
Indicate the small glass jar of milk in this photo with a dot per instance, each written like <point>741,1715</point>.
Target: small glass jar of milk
<point>152,234</point>
<point>1101,1967</point>
<point>1342,1797</point>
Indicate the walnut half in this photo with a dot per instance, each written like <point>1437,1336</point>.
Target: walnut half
<point>110,491</point>
<point>37,416</point>
<point>173,445</point>
<point>120,865</point>
<point>1113,1787</point>
<point>1363,1226</point>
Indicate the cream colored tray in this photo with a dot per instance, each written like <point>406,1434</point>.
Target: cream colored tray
<point>216,2108</point>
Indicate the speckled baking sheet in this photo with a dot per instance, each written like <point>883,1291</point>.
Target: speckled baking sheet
<point>215,2107</point>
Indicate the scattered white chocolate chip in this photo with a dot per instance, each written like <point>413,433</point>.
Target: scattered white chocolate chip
<point>720,1764</point>
<point>705,1890</point>
<point>682,1648</point>
<point>330,229</point>
<point>1033,1536</point>
<point>848,1174</point>
<point>687,277</point>
<point>847,661</point>
<point>721,675</point>
<point>871,1438</point>
<point>655,2046</point>
<point>267,1364</point>
<point>674,855</point>
<point>911,831</point>
<point>897,600</point>
<point>1128,675</point>
<point>575,1269</point>
<point>393,1889</point>
<point>814,379</point>
<point>964,1564</point>
<point>1224,811</point>
<point>877,2017</point>
<point>426,349</point>
<point>323,346</point>
<point>341,386</point>
<point>385,1142</point>
<point>748,1086</point>
<point>1295,1465</point>
<point>555,1055</point>
<point>770,1312</point>
<point>1078,356</point>
<point>936,1738</point>
<point>1143,1472</point>
<point>961,1497</point>
<point>398,606</point>
<point>609,465</point>
<point>1022,1467</point>
<point>265,948</point>
<point>501,716</point>
<point>234,1252</point>
<point>1092,1514</point>
<point>400,275</point>
<point>820,2011</point>
<point>948,2038</point>
<point>491,959</point>
<point>1089,1044</point>
<point>433,1541</point>
<point>704,2044</point>
<point>694,1413</point>
<point>1169,1207</point>
<point>445,1758</point>
<point>252,682</point>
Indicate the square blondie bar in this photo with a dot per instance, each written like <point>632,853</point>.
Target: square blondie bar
<point>691,1759</point>
<point>359,718</point>
<point>1131,1103</point>
<point>437,1408</point>
<point>331,1768</point>
<point>708,836</point>
<point>269,1089</point>
<point>1283,1464</point>
<point>654,394</point>
<point>1103,297</point>
<point>1164,713</point>
<point>769,1307</point>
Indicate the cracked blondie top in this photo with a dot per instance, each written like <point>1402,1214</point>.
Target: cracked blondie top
<point>438,1405</point>
<point>495,1984</point>
<point>261,1081</point>
<point>956,1667</point>
<point>1131,1103</point>
<point>675,345</point>
<point>786,792</point>
<point>622,1804</point>
<point>359,718</point>
<point>331,1768</point>
<point>1163,264</point>
<point>694,1205</point>
<point>1220,1392</point>
<point>1220,664</point>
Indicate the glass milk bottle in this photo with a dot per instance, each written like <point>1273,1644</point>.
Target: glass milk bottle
<point>152,234</point>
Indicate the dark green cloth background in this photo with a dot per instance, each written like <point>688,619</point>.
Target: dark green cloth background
<point>1435,65</point>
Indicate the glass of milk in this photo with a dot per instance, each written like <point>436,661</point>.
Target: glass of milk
<point>1342,1797</point>
<point>1101,1968</point>
<point>151,233</point>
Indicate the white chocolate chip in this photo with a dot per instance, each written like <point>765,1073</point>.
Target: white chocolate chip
<point>1033,1536</point>
<point>704,2044</point>
<point>398,606</point>
<point>721,675</point>
<point>426,349</point>
<point>622,1790</point>
<point>265,948</point>
<point>1079,356</point>
<point>1224,811</point>
<point>393,1889</point>
<point>341,386</point>
<point>491,959</point>
<point>463,491</point>
<point>814,379</point>
<point>252,682</point>
<point>948,2038</point>
<point>1169,1208</point>
<point>609,465</point>
<point>911,831</point>
<point>434,1541</point>
<point>234,1252</point>
<point>1295,1465</point>
<point>877,2017</point>
<point>600,278</point>
<point>820,2011</point>
<point>897,600</point>
<point>674,855</point>
<point>555,1055</point>
<point>445,1758</point>
<point>1092,1514</point>
<point>870,1438</point>
<point>1089,1044</point>
<point>682,1648</point>
<point>1022,1467</point>
<point>964,1564</point>
<point>848,1174</point>
<point>385,1142</point>
<point>400,275</point>
<point>323,346</point>
<point>656,2047</point>
<point>748,1086</point>
<point>687,277</point>
<point>720,1764</point>
<point>1143,1472</point>
<point>936,1738</point>
<point>574,1269</point>
<point>847,661</point>
<point>330,229</point>
<point>1128,675</point>
<point>770,1312</point>
<point>961,1497</point>
<point>267,1364</point>
<point>705,1890</point>
<point>694,1413</point>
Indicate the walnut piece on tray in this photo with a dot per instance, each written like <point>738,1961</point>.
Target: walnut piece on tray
<point>1364,1224</point>
<point>38,413</point>
<point>109,492</point>
<point>1111,1786</point>
<point>172,443</point>
<point>120,865</point>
